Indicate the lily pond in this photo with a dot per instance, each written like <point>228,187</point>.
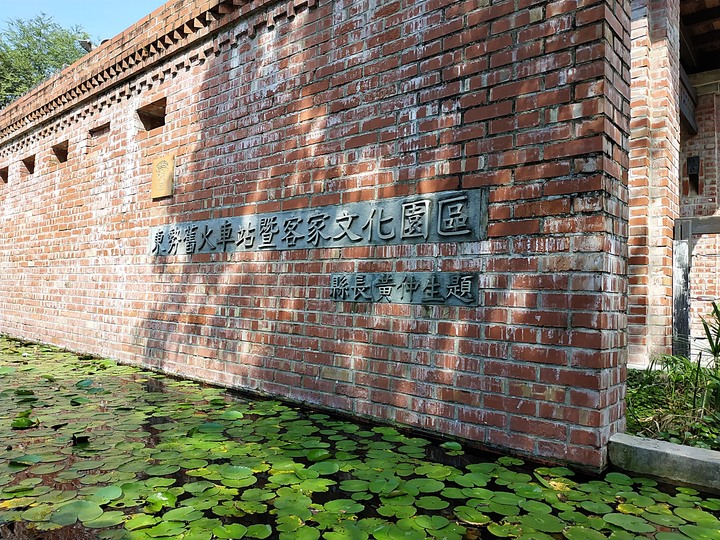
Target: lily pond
<point>90,449</point>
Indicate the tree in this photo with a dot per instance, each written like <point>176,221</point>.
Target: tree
<point>33,50</point>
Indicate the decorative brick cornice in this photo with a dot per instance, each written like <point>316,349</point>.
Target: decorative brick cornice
<point>163,33</point>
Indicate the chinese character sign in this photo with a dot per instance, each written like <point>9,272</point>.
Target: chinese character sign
<point>443,288</point>
<point>457,216</point>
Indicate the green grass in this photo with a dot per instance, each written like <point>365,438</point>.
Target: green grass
<point>675,400</point>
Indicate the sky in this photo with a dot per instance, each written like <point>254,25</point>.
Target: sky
<point>102,19</point>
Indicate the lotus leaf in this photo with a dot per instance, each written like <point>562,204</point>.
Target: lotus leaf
<point>697,532</point>
<point>543,522</point>
<point>629,523</point>
<point>347,532</point>
<point>618,478</point>
<point>162,470</point>
<point>664,520</point>
<point>431,522</point>
<point>423,485</point>
<point>384,486</point>
<point>354,485</point>
<point>197,534</point>
<point>393,532</point>
<point>343,506</point>
<point>259,531</point>
<point>40,512</point>
<point>572,516</point>
<point>182,513</point>
<point>234,472</point>
<point>73,511</point>
<point>301,533</point>
<point>23,423</point>
<point>453,493</point>
<point>629,509</point>
<point>57,496</point>
<point>87,465</point>
<point>695,515</point>
<point>396,510</point>
<point>452,446</point>
<point>140,521</point>
<point>471,479</point>
<point>596,507</point>
<point>325,467</point>
<point>431,503</point>
<point>582,533</point>
<point>471,515</point>
<point>164,529</point>
<point>505,530</point>
<point>108,519</point>
<point>198,487</point>
<point>106,494</point>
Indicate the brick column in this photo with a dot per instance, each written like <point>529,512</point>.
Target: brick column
<point>654,181</point>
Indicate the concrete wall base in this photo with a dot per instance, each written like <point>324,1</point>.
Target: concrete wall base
<point>685,464</point>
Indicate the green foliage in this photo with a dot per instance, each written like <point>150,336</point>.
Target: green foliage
<point>165,458</point>
<point>32,50</point>
<point>678,400</point>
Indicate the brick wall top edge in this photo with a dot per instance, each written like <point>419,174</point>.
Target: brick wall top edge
<point>148,41</point>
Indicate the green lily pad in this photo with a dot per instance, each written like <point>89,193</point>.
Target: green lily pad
<point>259,531</point>
<point>629,523</point>
<point>423,485</point>
<point>596,507</point>
<point>183,513</point>
<point>543,523</point>
<point>164,529</point>
<point>354,485</point>
<point>700,533</point>
<point>343,506</point>
<point>393,532</point>
<point>670,536</point>
<point>107,493</point>
<point>26,460</point>
<point>23,423</point>
<point>664,520</point>
<point>471,515</point>
<point>40,512</point>
<point>618,478</point>
<point>694,514</point>
<point>162,470</point>
<point>505,530</point>
<point>232,531</point>
<point>141,521</point>
<point>108,519</point>
<point>70,513</point>
<point>396,510</point>
<point>582,533</point>
<point>431,503</point>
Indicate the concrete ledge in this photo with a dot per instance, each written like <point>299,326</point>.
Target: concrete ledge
<point>685,464</point>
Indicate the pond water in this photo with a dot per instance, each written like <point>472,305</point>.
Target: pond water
<point>93,450</point>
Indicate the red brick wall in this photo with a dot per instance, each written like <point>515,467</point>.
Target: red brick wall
<point>654,177</point>
<point>705,248</point>
<point>343,101</point>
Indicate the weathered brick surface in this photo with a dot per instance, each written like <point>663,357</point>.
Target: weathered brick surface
<point>654,181</point>
<point>283,105</point>
<point>700,202</point>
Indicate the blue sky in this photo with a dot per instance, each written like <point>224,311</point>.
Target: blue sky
<point>100,18</point>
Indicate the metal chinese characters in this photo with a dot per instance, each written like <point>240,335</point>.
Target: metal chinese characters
<point>458,216</point>
<point>446,288</point>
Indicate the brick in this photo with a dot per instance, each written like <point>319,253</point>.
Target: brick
<point>528,101</point>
